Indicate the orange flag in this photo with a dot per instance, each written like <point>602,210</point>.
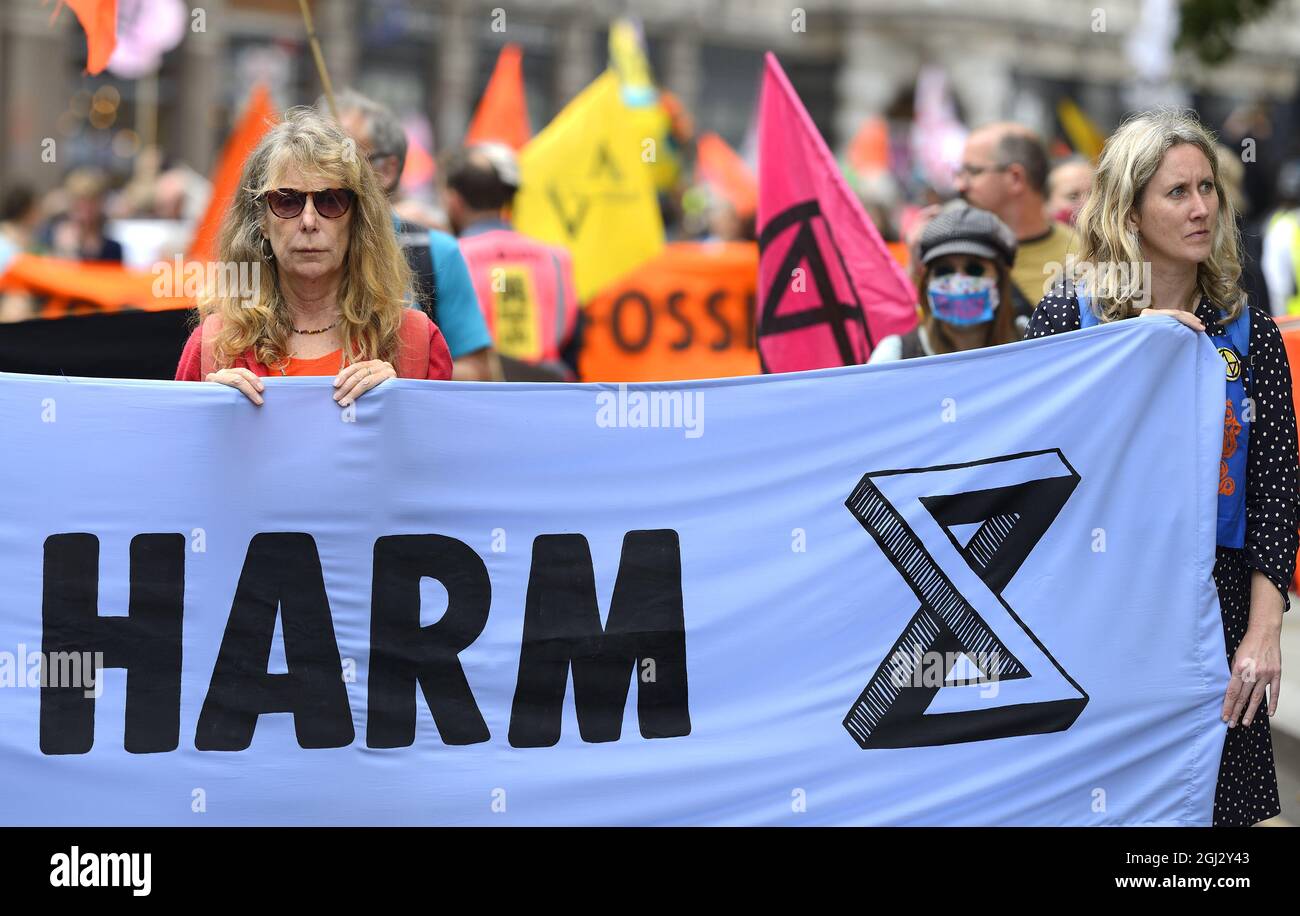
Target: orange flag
<point>420,166</point>
<point>717,164</point>
<point>869,150</point>
<point>61,288</point>
<point>98,19</point>
<point>502,114</point>
<point>259,115</point>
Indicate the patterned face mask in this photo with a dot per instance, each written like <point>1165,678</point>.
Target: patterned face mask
<point>963,300</point>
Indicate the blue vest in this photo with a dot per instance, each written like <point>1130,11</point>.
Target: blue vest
<point>1233,345</point>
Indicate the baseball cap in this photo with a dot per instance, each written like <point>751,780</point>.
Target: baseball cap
<point>963,229</point>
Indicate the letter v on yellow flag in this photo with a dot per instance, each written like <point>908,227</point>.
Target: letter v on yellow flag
<point>586,186</point>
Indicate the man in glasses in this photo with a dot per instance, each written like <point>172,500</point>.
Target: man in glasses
<point>444,289</point>
<point>1004,170</point>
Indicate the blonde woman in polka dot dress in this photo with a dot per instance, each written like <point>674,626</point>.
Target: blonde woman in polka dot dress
<point>1158,198</point>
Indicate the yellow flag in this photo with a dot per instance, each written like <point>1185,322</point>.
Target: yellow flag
<point>627,58</point>
<point>652,126</point>
<point>587,185</point>
<point>1085,136</point>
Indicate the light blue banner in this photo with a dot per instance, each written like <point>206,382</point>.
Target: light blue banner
<point>7,252</point>
<point>973,589</point>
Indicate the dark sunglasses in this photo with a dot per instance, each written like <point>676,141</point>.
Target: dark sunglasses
<point>287,203</point>
<point>970,269</point>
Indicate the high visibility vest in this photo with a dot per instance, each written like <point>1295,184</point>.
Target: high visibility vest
<point>1233,344</point>
<point>1290,216</point>
<point>525,289</point>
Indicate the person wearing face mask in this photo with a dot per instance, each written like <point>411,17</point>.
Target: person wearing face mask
<point>1159,199</point>
<point>1068,185</point>
<point>966,255</point>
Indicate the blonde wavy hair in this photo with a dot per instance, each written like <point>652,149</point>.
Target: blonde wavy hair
<point>376,278</point>
<point>1129,161</point>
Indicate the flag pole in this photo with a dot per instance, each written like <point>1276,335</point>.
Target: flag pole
<point>320,58</point>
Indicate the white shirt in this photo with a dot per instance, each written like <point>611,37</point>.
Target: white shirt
<point>891,348</point>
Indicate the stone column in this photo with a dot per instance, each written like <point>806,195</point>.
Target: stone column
<point>682,67</point>
<point>37,80</point>
<point>576,60</point>
<point>876,66</point>
<point>452,74</point>
<point>336,24</point>
<point>194,130</point>
<point>979,74</point>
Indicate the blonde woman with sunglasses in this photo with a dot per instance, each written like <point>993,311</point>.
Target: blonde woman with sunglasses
<point>332,283</point>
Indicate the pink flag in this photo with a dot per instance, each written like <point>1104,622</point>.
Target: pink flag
<point>828,288</point>
<point>938,138</point>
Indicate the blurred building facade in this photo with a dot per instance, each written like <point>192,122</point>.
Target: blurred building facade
<point>430,59</point>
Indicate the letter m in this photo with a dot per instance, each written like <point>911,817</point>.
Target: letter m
<point>562,629</point>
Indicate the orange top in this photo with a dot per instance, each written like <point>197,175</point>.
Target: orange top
<point>329,364</point>
<point>422,354</point>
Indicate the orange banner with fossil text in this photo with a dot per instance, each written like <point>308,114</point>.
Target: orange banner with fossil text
<point>686,313</point>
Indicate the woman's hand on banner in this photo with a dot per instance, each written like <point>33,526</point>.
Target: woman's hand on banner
<point>1184,317</point>
<point>358,378</point>
<point>243,379</point>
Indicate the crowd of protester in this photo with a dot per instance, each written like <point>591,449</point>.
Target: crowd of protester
<point>365,285</point>
<point>454,240</point>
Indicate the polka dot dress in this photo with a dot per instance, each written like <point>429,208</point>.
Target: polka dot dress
<point>1247,786</point>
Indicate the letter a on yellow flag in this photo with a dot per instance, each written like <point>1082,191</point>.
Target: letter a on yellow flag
<point>587,185</point>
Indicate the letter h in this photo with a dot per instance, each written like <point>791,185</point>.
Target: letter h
<point>147,642</point>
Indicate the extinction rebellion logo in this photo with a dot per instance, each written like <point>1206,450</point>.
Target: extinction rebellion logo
<point>958,534</point>
<point>809,241</point>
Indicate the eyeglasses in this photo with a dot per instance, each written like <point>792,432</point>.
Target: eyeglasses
<point>966,170</point>
<point>970,269</point>
<point>287,203</point>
